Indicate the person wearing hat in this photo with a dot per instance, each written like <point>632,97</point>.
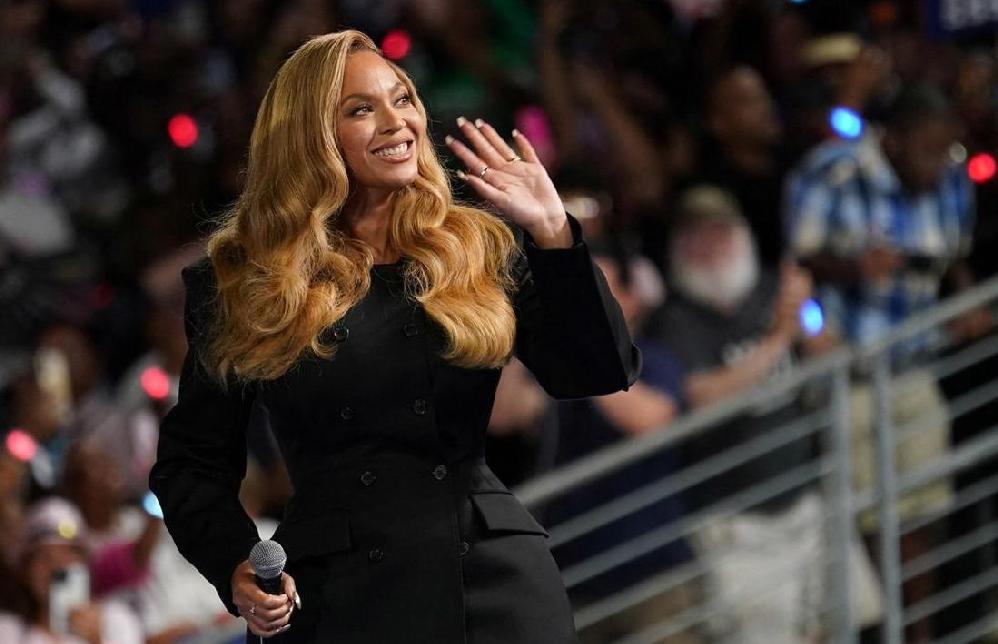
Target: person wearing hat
<point>53,539</point>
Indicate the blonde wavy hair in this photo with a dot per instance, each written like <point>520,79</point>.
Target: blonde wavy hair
<point>287,269</point>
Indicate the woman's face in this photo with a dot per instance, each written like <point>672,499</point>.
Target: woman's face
<point>378,125</point>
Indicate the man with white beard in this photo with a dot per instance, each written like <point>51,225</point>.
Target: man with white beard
<point>733,325</point>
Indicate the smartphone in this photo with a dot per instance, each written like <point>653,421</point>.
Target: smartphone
<point>53,379</point>
<point>151,505</point>
<point>68,588</point>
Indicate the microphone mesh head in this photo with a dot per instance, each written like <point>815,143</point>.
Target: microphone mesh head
<point>267,559</point>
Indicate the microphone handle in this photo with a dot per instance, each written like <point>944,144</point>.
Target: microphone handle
<point>269,585</point>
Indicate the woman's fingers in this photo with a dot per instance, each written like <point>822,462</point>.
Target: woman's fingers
<point>487,191</point>
<point>526,150</point>
<point>495,140</point>
<point>463,152</point>
<point>484,149</point>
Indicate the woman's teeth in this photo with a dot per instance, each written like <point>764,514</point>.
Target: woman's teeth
<point>394,151</point>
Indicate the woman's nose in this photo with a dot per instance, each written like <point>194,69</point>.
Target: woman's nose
<point>393,121</point>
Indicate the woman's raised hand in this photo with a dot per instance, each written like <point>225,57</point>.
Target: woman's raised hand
<point>266,615</point>
<point>514,182</point>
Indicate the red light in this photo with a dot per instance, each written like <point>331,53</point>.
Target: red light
<point>183,131</point>
<point>155,383</point>
<point>396,44</point>
<point>21,445</point>
<point>981,167</point>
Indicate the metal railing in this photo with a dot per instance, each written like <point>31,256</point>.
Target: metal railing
<point>831,380</point>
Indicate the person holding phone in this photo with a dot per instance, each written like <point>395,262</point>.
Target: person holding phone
<point>52,561</point>
<point>353,305</point>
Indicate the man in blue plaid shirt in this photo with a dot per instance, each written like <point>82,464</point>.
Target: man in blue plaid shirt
<point>882,223</point>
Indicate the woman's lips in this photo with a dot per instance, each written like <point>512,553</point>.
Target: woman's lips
<point>405,156</point>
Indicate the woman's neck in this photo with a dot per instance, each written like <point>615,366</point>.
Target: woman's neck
<point>368,219</point>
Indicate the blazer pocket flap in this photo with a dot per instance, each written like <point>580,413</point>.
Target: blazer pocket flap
<point>311,535</point>
<point>503,512</point>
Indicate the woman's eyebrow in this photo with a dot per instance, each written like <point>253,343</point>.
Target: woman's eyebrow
<point>364,95</point>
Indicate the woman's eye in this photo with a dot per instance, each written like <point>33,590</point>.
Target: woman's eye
<point>405,97</point>
<point>357,109</point>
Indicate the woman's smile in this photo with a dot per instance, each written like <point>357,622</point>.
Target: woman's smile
<point>395,152</point>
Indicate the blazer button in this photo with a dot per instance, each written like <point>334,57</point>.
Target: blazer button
<point>375,554</point>
<point>463,548</point>
<point>410,329</point>
<point>420,406</point>
<point>341,333</point>
<point>368,478</point>
<point>346,413</point>
<point>440,472</point>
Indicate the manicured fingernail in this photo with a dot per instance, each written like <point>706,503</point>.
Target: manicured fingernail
<point>461,121</point>
<point>479,122</point>
<point>448,139</point>
<point>298,601</point>
<point>461,174</point>
<point>516,132</point>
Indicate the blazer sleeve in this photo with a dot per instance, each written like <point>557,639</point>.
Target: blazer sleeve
<point>201,456</point>
<point>570,331</point>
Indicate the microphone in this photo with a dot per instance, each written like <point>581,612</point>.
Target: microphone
<point>267,558</point>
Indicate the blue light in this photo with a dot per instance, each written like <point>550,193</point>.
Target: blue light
<point>151,505</point>
<point>812,320</point>
<point>846,122</point>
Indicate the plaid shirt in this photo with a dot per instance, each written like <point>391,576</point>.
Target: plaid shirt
<point>845,198</point>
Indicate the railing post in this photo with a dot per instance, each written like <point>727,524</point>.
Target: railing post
<point>839,494</point>
<point>890,560</point>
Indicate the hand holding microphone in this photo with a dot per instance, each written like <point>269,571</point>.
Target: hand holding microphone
<point>265,595</point>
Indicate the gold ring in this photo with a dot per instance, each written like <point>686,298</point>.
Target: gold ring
<point>481,175</point>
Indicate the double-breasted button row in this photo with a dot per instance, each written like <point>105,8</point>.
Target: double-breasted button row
<point>375,554</point>
<point>440,472</point>
<point>346,412</point>
<point>341,333</point>
<point>368,478</point>
<point>410,329</point>
<point>420,406</point>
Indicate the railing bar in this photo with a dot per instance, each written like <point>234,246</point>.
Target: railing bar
<point>542,488</point>
<point>967,454</point>
<point>972,631</point>
<point>951,550</point>
<point>748,597</point>
<point>630,550</point>
<point>971,494</point>
<point>933,317</point>
<point>951,595</point>
<point>622,600</point>
<point>968,355</point>
<point>630,597</point>
<point>964,403</point>
<point>646,495</point>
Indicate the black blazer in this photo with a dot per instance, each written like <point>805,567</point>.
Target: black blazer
<point>397,530</point>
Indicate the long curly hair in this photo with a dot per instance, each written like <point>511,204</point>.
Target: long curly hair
<point>287,269</point>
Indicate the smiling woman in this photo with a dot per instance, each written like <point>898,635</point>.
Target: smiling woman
<point>350,302</point>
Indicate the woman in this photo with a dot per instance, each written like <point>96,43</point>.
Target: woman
<point>353,306</point>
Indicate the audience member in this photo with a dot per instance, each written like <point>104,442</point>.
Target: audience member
<point>734,325</point>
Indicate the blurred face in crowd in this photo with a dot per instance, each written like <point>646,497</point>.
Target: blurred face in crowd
<point>379,126</point>
<point>43,561</point>
<point>920,152</point>
<point>94,483</point>
<point>742,111</point>
<point>714,262</point>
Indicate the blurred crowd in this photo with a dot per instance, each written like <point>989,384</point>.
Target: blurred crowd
<point>760,181</point>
